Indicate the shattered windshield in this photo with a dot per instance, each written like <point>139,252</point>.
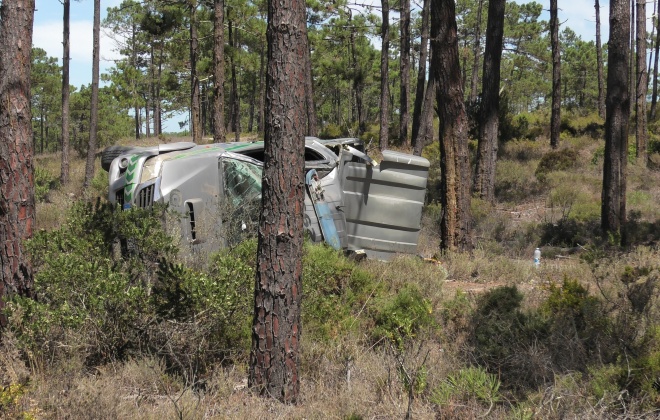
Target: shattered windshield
<point>242,181</point>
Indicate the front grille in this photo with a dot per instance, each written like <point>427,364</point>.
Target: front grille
<point>145,197</point>
<point>119,198</point>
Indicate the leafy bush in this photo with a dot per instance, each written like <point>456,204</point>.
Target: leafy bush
<point>576,325</point>
<point>44,182</point>
<point>335,290</point>
<point>400,317</point>
<point>204,317</point>
<point>472,383</point>
<point>84,291</point>
<point>515,181</point>
<point>556,160</point>
<point>522,150</point>
<point>331,131</point>
<point>505,340</point>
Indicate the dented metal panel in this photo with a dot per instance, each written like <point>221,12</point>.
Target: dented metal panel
<point>383,203</point>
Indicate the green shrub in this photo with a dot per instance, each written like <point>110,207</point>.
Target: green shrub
<point>515,181</point>
<point>506,341</point>
<point>556,160</point>
<point>84,291</point>
<point>335,289</point>
<point>576,325</point>
<point>521,150</point>
<point>331,131</point>
<point>472,383</point>
<point>44,182</point>
<point>567,202</point>
<point>217,305</point>
<point>400,317</point>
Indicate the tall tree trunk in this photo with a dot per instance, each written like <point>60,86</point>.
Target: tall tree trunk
<point>404,57</point>
<point>312,125</point>
<point>484,180</point>
<point>613,210</point>
<point>262,93</point>
<point>152,87</point>
<point>219,71</point>
<point>357,81</point>
<point>385,76</point>
<point>421,76</point>
<point>456,219</point>
<point>476,50</point>
<point>632,83</point>
<point>134,93</point>
<point>654,98</point>
<point>555,117</point>
<point>157,112</point>
<point>599,58</point>
<point>641,86</point>
<point>428,111</point>
<point>42,118</point>
<point>196,123</point>
<point>16,150</point>
<point>94,106</point>
<point>253,105</point>
<point>648,68</point>
<point>234,100</point>
<point>64,174</point>
<point>147,117</point>
<point>274,358</point>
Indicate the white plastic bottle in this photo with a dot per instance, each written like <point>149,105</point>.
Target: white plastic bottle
<point>537,257</point>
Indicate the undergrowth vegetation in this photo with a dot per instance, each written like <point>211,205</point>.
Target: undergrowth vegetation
<point>128,323</point>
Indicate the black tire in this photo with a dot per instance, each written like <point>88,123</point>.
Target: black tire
<point>110,153</point>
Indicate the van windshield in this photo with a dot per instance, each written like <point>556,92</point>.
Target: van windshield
<point>242,181</point>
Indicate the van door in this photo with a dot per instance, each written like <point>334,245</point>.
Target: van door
<point>383,203</point>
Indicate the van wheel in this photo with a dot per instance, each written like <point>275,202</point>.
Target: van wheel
<point>110,153</point>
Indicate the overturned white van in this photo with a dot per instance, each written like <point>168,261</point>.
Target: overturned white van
<point>353,203</point>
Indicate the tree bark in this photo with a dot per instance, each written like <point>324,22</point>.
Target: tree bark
<point>16,149</point>
<point>262,94</point>
<point>642,86</point>
<point>599,58</point>
<point>613,207</point>
<point>157,111</point>
<point>358,84</point>
<point>218,71</point>
<point>456,219</point>
<point>404,57</point>
<point>421,77</point>
<point>136,103</point>
<point>274,358</point>
<point>64,174</point>
<point>94,106</point>
<point>234,99</point>
<point>654,98</point>
<point>555,117</point>
<point>631,71</point>
<point>476,50</point>
<point>312,125</point>
<point>385,76</point>
<point>484,180</point>
<point>196,123</point>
